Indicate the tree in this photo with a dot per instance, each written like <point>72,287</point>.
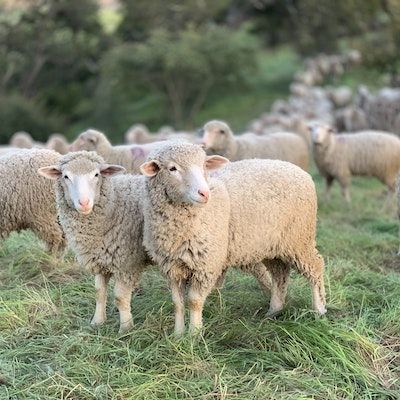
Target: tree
<point>182,70</point>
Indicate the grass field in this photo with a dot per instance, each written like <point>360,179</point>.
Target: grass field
<point>49,351</point>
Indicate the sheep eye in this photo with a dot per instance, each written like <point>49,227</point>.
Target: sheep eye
<point>92,141</point>
<point>172,168</point>
<point>66,177</point>
<point>96,174</point>
<point>222,131</point>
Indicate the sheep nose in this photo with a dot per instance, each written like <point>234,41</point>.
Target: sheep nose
<point>84,202</point>
<point>205,194</point>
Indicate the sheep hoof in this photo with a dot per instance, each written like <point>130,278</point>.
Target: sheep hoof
<point>96,322</point>
<point>126,327</point>
<point>272,314</point>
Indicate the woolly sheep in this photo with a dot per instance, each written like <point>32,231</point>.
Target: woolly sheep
<point>252,212</point>
<point>58,143</point>
<point>129,156</point>
<point>350,119</point>
<point>340,96</point>
<point>27,200</point>
<point>23,140</point>
<point>365,153</point>
<point>139,134</point>
<point>219,139</point>
<point>101,217</point>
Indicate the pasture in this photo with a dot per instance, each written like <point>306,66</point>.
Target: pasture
<point>49,351</point>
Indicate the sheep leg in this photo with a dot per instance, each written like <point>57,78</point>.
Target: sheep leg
<point>328,187</point>
<point>344,185</point>
<point>100,284</point>
<point>220,281</point>
<point>261,273</point>
<point>280,280</point>
<point>177,289</point>
<point>196,300</point>
<point>122,299</point>
<point>313,270</point>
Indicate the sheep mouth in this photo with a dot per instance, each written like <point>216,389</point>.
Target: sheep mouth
<point>84,211</point>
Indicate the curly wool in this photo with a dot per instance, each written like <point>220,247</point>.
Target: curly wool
<point>27,199</point>
<point>108,240</point>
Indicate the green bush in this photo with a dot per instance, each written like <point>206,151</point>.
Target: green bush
<point>20,114</point>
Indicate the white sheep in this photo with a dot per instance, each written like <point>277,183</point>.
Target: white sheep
<point>102,220</point>
<point>251,212</point>
<point>58,143</point>
<point>219,139</point>
<point>129,156</point>
<point>27,200</point>
<point>365,153</point>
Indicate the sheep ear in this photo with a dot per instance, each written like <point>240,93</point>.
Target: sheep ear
<point>150,168</point>
<point>111,169</point>
<point>50,172</point>
<point>215,162</point>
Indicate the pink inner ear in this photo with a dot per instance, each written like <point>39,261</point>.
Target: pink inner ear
<point>214,162</point>
<point>150,168</point>
<point>50,172</point>
<point>110,170</point>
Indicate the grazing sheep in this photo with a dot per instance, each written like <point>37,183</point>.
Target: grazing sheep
<point>252,213</point>
<point>27,200</point>
<point>23,140</point>
<point>58,143</point>
<point>129,156</point>
<point>101,217</point>
<point>366,153</point>
<point>219,139</point>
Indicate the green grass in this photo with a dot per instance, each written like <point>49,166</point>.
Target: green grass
<point>49,351</point>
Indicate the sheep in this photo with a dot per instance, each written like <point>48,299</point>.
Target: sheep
<point>365,153</point>
<point>251,213</point>
<point>350,119</point>
<point>101,216</point>
<point>6,149</point>
<point>129,156</point>
<point>219,139</point>
<point>139,134</point>
<point>27,200</point>
<point>340,96</point>
<point>22,140</point>
<point>58,143</point>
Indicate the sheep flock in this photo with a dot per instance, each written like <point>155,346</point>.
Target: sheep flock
<point>198,203</point>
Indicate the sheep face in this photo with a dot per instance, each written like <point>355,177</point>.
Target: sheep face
<point>81,181</point>
<point>180,172</point>
<point>89,141</point>
<point>320,133</point>
<point>216,136</point>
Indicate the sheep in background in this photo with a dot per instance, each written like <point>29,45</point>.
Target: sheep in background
<point>140,134</point>
<point>58,143</point>
<point>350,119</point>
<point>129,156</point>
<point>251,212</point>
<point>102,220</point>
<point>365,153</point>
<point>22,140</point>
<point>219,139</point>
<point>27,200</point>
